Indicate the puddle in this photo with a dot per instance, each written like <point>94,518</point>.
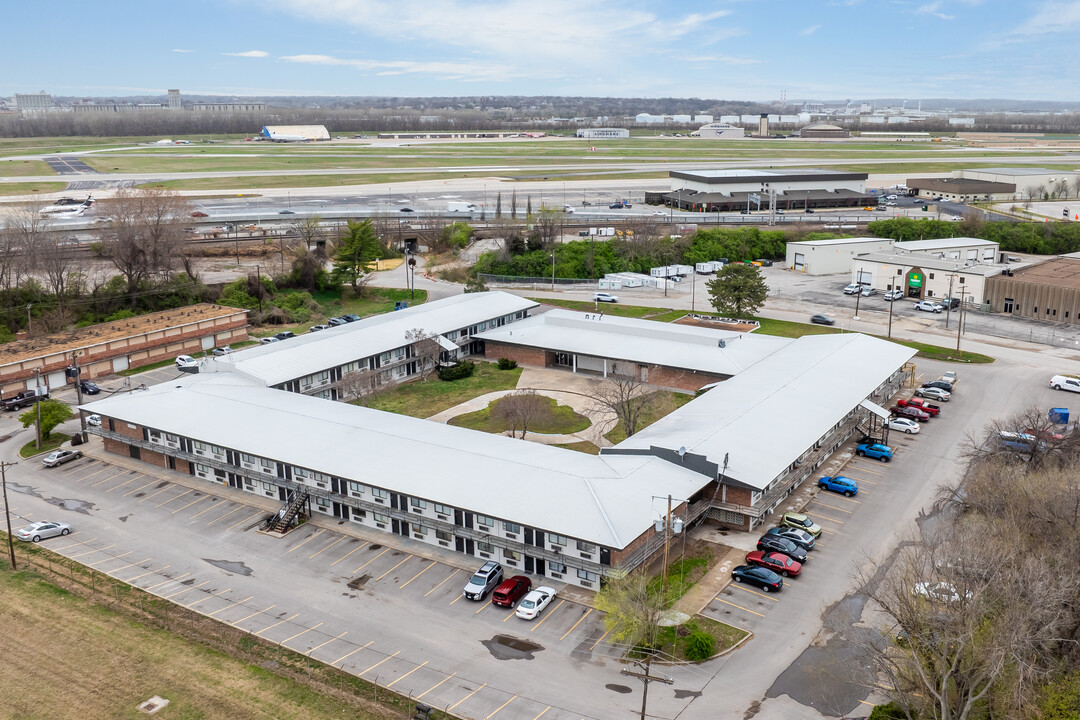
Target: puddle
<point>508,647</point>
<point>683,694</point>
<point>618,688</point>
<point>124,518</point>
<point>358,583</point>
<point>189,581</point>
<point>374,547</point>
<point>23,489</point>
<point>79,506</point>
<point>230,566</point>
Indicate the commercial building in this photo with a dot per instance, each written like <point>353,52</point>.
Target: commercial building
<point>33,102</point>
<point>554,512</point>
<point>721,131</point>
<point>603,133</point>
<point>1048,290</point>
<point>1025,177</point>
<point>732,190</point>
<point>824,131</point>
<point>229,107</point>
<point>293,133</point>
<point>827,257</point>
<point>118,345</point>
<point>924,277</point>
<point>996,184</point>
<point>963,190</point>
<point>174,100</point>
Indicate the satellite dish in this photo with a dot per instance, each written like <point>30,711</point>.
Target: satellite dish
<point>682,451</point>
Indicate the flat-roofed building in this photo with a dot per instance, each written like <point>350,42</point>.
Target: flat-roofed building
<point>959,189</point>
<point>828,257</point>
<point>731,190</point>
<point>1047,290</point>
<point>603,133</point>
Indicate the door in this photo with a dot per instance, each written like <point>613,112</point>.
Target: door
<point>530,563</point>
<point>282,494</point>
<point>234,480</point>
<point>541,566</point>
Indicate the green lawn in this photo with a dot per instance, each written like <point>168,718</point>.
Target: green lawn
<point>29,188</point>
<point>682,575</point>
<point>631,311</point>
<point>560,420</point>
<point>424,398</point>
<point>582,446</point>
<point>375,301</point>
<point>672,640</point>
<point>55,440</point>
<point>22,168</point>
<point>661,403</point>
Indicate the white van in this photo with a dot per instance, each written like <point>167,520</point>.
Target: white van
<point>1065,382</point>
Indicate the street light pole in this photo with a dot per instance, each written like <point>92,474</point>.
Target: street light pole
<point>7,512</point>
<point>552,272</point>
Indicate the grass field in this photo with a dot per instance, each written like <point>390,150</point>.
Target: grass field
<point>22,168</point>
<point>55,440</point>
<point>29,188</point>
<point>559,420</point>
<point>65,657</point>
<point>424,398</point>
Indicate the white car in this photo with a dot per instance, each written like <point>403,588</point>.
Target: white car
<point>186,361</point>
<point>949,377</point>
<point>933,393</point>
<point>94,421</point>
<point>605,297</point>
<point>1065,382</point>
<point>41,530</point>
<point>660,213</point>
<point>904,424</point>
<point>893,295</point>
<point>59,457</point>
<point>534,603</point>
<point>928,306</point>
<point>852,289</point>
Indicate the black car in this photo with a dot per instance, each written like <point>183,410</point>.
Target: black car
<point>406,210</point>
<point>764,578</point>
<point>779,544</point>
<point>616,206</point>
<point>946,386</point>
<point>809,210</point>
<point>89,388</point>
<point>335,321</point>
<point>350,318</point>
<point>822,320</point>
<point>285,335</point>
<point>800,537</point>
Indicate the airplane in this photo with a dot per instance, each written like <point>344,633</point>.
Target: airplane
<point>68,206</point>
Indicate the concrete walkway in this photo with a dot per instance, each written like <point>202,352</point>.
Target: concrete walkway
<point>566,388</point>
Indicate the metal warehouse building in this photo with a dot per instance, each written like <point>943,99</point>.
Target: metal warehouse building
<point>828,257</point>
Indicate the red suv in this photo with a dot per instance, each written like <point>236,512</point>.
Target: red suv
<point>511,590</point>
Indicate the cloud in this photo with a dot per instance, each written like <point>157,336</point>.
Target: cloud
<point>933,8</point>
<point>249,53</point>
<point>448,70</point>
<point>809,30</point>
<point>1051,17</point>
<point>177,50</point>
<point>720,59</point>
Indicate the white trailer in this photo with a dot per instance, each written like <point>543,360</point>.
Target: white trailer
<point>460,207</point>
<point>680,270</point>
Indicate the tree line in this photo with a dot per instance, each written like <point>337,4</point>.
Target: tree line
<point>1037,238</point>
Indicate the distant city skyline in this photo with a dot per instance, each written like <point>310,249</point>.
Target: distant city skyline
<point>731,50</point>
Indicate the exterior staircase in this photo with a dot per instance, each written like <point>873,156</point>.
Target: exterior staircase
<point>282,520</point>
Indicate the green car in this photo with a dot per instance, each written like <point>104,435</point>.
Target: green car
<point>800,522</point>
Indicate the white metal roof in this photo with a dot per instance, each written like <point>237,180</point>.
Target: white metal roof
<point>930,262</point>
<point>642,341</point>
<point>841,241</point>
<point>314,352</point>
<point>767,416</point>
<point>943,244</point>
<point>606,500</point>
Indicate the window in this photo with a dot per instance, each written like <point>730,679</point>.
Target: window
<point>249,459</point>
<point>442,509</point>
<point>556,567</point>
<point>485,521</point>
<point>418,529</point>
<point>379,518</point>
<point>267,487</point>
<point>930,276</point>
<point>900,271</point>
<point>418,503</point>
<point>355,488</point>
<point>556,539</point>
<point>511,527</point>
<point>485,547</point>
<point>586,575</point>
<point>961,279</point>
<point>443,535</point>
<point>586,547</point>
<point>379,493</point>
<point>358,514</point>
<point>511,554</point>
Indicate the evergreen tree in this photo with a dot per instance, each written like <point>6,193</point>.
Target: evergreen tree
<point>355,253</point>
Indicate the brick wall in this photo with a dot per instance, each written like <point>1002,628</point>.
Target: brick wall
<point>738,495</point>
<point>153,458</point>
<point>681,379</point>
<point>534,357</point>
<point>116,447</point>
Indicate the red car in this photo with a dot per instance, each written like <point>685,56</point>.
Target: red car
<point>778,562</point>
<point>511,590</point>
<point>920,404</point>
<point>911,412</point>
<point>1045,435</point>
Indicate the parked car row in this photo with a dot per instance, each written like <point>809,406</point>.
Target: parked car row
<point>509,592</point>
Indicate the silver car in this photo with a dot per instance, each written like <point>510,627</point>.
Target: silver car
<point>35,532</point>
<point>60,457</point>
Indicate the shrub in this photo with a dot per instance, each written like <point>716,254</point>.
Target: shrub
<point>700,645</point>
<point>507,364</point>
<point>888,711</point>
<point>457,372</point>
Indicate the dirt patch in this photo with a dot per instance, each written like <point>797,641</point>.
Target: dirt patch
<point>716,323</point>
<point>358,583</point>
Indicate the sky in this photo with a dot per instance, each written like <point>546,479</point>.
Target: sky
<point>723,49</point>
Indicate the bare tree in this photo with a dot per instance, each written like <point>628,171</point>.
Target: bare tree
<point>308,230</point>
<point>549,227</point>
<point>1076,186</point>
<point>1031,193</point>
<point>521,409</point>
<point>54,261</point>
<point>1061,189</point>
<point>1027,437</point>
<point>430,229</point>
<point>361,385</point>
<point>498,202</point>
<point>425,348</point>
<point>633,607</point>
<point>623,397</point>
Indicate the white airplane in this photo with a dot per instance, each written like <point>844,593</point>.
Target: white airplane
<point>68,206</point>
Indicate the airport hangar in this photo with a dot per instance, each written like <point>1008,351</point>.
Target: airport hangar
<point>730,190</point>
<point>731,454</point>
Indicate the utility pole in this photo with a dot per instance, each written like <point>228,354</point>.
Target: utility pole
<point>858,296</point>
<point>552,272</point>
<point>37,407</point>
<point>891,303</point>
<point>78,393</point>
<point>7,511</point>
<point>667,542</point>
<point>259,285</point>
<point>948,305</point>
<point>960,319</point>
<point>646,678</point>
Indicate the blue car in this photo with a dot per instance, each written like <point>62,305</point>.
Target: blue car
<point>874,450</point>
<point>839,484</point>
<point>764,578</point>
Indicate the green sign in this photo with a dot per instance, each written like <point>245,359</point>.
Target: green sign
<point>914,279</point>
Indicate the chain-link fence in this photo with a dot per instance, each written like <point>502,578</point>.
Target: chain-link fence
<point>983,321</point>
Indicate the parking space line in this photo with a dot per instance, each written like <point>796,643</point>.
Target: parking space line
<point>831,507</point>
<point>190,504</point>
<point>429,566</point>
<point>312,536</point>
<point>547,615</point>
<point>104,469</point>
<point>822,517</point>
<point>407,558</point>
<point>108,478</point>
<point>348,553</point>
<point>308,653</point>
<point>125,567</point>
<point>457,598</point>
<point>208,597</point>
<point>451,708</point>
<point>173,498</point>
<point>349,655</point>
<point>456,571</point>
<point>408,673</point>
<point>230,605</point>
<point>129,480</point>
<point>168,486</point>
<point>132,492</point>
<point>501,707</point>
<point>114,557</point>
<point>847,499</point>
<point>88,552</point>
<point>483,606</point>
<point>208,509</point>
<point>862,480</point>
<point>388,657</point>
<point>166,582</point>
<point>271,627</point>
<point>259,612</point>
<point>314,627</point>
<point>386,550</point>
<point>421,695</point>
<point>192,587</point>
<point>220,517</point>
<point>868,470</point>
<point>754,592</point>
<point>241,522</point>
<point>755,612</point>
<point>509,615</point>
<point>77,542</point>
<point>589,612</point>
<point>327,547</point>
<point>542,713</point>
<point>148,572</point>
<point>593,646</point>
